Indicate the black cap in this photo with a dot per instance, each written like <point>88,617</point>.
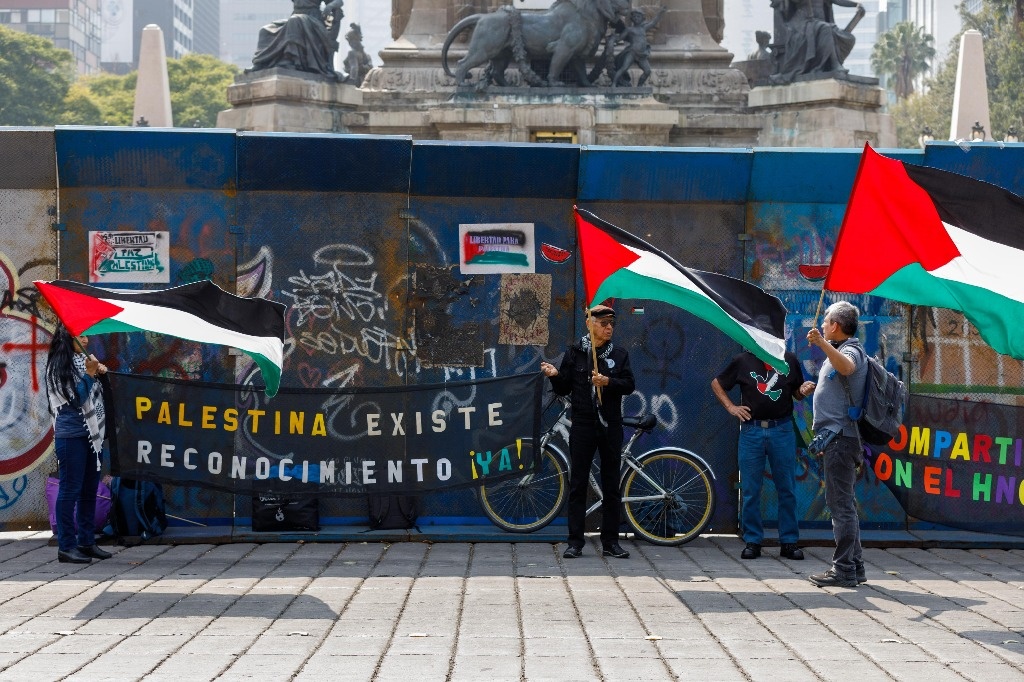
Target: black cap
<point>601,311</point>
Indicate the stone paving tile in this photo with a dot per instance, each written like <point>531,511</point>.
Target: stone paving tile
<point>494,611</point>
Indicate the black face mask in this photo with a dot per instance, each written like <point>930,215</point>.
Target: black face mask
<point>836,344</point>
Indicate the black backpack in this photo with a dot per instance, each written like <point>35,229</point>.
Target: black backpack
<point>393,512</point>
<point>884,404</point>
<point>138,510</point>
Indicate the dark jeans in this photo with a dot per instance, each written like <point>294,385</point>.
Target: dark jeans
<point>777,445</point>
<point>842,457</point>
<point>584,439</point>
<point>78,480</point>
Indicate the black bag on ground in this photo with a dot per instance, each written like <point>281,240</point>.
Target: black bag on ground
<point>276,513</point>
<point>393,512</point>
<point>138,509</point>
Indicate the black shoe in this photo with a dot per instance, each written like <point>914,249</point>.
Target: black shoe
<point>862,576</point>
<point>72,556</point>
<point>832,579</point>
<point>791,551</point>
<point>95,552</point>
<point>751,551</point>
<point>572,552</point>
<point>614,550</point>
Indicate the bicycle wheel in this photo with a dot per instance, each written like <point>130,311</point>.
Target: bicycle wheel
<point>671,501</point>
<point>527,503</point>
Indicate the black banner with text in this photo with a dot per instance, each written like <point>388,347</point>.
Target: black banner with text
<point>959,464</point>
<point>408,440</point>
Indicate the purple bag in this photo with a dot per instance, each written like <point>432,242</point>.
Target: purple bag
<point>103,503</point>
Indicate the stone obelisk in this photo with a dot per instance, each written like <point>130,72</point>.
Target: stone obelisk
<point>970,96</point>
<point>152,90</point>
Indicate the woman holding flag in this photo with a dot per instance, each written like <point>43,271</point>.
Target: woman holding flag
<point>79,426</point>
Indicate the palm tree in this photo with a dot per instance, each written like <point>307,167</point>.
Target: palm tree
<point>902,54</point>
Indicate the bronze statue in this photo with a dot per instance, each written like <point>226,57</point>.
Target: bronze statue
<point>568,34</point>
<point>638,49</point>
<point>357,62</point>
<point>305,41</point>
<point>807,39</point>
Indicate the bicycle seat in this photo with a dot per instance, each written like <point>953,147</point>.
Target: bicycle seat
<point>643,423</point>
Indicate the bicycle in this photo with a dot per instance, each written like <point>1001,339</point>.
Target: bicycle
<point>668,493</point>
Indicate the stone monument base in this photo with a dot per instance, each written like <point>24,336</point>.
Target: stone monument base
<point>827,112</point>
<point>290,101</point>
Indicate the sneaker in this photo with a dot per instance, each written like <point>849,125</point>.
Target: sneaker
<point>572,552</point>
<point>832,579</point>
<point>614,550</point>
<point>751,551</point>
<point>862,576</point>
<point>791,551</point>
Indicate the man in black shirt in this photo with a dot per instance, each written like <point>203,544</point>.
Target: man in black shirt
<point>594,427</point>
<point>766,432</point>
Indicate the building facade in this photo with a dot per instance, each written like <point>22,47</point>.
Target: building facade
<point>73,25</point>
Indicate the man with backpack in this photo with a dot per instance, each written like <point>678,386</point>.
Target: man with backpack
<point>841,384</point>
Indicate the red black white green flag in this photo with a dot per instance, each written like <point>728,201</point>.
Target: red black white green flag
<point>930,237</point>
<point>617,264</point>
<point>200,311</point>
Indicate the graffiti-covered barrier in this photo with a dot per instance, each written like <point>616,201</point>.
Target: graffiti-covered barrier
<point>407,263</point>
<point>403,440</point>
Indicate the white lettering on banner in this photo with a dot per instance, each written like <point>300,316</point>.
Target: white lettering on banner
<point>394,471</point>
<point>366,470</point>
<point>165,455</point>
<point>399,430</point>
<point>438,418</point>
<point>493,418</point>
<point>371,424</point>
<point>467,411</point>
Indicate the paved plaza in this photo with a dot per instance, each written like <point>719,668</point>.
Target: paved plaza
<point>499,611</point>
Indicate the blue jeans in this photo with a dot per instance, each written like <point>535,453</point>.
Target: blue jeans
<point>76,463</point>
<point>842,457</point>
<point>777,445</point>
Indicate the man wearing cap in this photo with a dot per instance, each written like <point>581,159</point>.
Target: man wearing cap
<point>596,425</point>
<point>765,414</point>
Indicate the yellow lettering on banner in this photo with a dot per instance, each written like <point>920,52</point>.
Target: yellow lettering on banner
<point>209,412</point>
<point>277,423</point>
<point>256,414</point>
<point>231,419</point>
<point>296,423</point>
<point>142,405</point>
<point>960,449</point>
<point>319,427</point>
<point>920,439</point>
<point>181,416</point>
<point>164,416</point>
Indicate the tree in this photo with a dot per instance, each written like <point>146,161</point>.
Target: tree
<point>1004,70</point>
<point>902,54</point>
<point>34,79</point>
<point>199,87</point>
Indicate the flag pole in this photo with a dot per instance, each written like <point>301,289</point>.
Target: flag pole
<point>593,352</point>
<point>821,299</point>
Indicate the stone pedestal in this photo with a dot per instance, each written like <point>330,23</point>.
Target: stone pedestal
<point>603,116</point>
<point>291,101</point>
<point>823,113</point>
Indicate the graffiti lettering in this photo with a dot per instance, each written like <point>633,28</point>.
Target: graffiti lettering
<point>11,491</point>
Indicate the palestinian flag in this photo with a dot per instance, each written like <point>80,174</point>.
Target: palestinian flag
<point>200,311</point>
<point>618,265</point>
<point>930,237</point>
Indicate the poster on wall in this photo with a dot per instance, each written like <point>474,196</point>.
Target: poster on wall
<point>129,257</point>
<point>496,248</point>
